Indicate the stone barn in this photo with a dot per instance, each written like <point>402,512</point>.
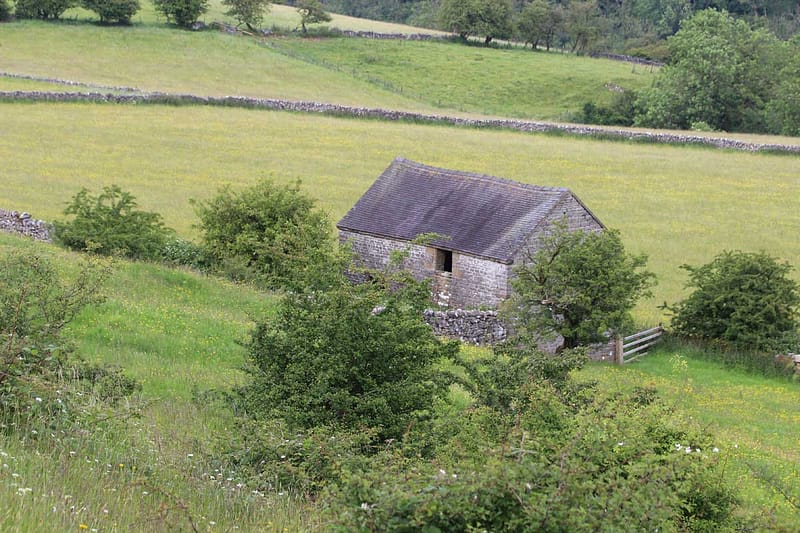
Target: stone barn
<point>487,225</point>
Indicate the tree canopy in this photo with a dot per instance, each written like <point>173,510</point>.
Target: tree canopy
<point>741,298</point>
<point>578,285</point>
<point>486,18</point>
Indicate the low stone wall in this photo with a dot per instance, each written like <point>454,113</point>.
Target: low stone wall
<point>385,114</point>
<point>24,224</point>
<point>475,327</point>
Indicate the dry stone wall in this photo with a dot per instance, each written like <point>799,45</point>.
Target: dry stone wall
<point>474,327</point>
<point>385,114</point>
<point>23,223</point>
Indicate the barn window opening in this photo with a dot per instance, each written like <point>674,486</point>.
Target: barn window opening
<point>444,260</point>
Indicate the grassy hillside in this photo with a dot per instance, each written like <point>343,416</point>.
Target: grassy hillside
<point>507,82</point>
<point>678,205</point>
<point>361,72</point>
<point>177,332</point>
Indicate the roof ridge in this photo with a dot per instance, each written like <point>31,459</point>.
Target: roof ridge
<point>481,177</point>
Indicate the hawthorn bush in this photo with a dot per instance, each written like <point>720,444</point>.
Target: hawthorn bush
<point>42,9</point>
<point>110,224</point>
<point>743,299</point>
<point>353,357</point>
<point>184,13</point>
<point>267,233</point>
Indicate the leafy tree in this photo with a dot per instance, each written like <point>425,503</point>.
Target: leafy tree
<point>489,18</point>
<point>783,109</point>
<point>745,299</point>
<point>721,73</point>
<point>311,12</point>
<point>5,11</point>
<point>539,21</point>
<point>347,356</point>
<point>578,285</point>
<point>583,24</point>
<point>184,13</point>
<point>110,224</point>
<point>248,12</point>
<point>42,9</point>
<point>266,233</point>
<point>113,10</point>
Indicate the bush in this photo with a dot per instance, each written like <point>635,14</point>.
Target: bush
<point>41,380</point>
<point>5,11</point>
<point>184,253</point>
<point>42,9</point>
<point>548,463</point>
<point>578,285</point>
<point>742,299</point>
<point>349,356</point>
<point>266,233</point>
<point>184,13</point>
<point>113,10</point>
<point>110,224</point>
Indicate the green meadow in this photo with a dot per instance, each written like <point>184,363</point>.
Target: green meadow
<point>678,205</point>
<point>179,332</point>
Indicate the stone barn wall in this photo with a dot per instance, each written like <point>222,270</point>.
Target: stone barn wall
<point>473,282</point>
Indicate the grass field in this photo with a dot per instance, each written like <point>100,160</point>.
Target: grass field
<point>678,205</point>
<point>177,332</point>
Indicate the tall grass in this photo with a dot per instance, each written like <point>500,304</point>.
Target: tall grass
<point>755,419</point>
<point>678,205</point>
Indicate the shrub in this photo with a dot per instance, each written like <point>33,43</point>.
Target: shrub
<point>743,299</point>
<point>266,233</point>
<point>42,9</point>
<point>349,356</point>
<point>110,224</point>
<point>5,11</point>
<point>184,13</point>
<point>606,463</point>
<point>113,10</point>
<point>40,378</point>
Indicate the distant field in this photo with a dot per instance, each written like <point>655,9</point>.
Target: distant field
<point>679,205</point>
<point>508,82</point>
<point>372,73</point>
<point>205,63</point>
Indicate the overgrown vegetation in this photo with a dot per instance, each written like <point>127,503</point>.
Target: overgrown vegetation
<point>42,380</point>
<point>111,224</point>
<point>743,300</point>
<point>579,285</point>
<point>268,233</point>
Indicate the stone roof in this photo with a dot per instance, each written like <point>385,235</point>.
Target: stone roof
<point>484,216</point>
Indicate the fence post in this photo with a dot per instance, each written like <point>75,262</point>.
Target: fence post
<point>618,349</point>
